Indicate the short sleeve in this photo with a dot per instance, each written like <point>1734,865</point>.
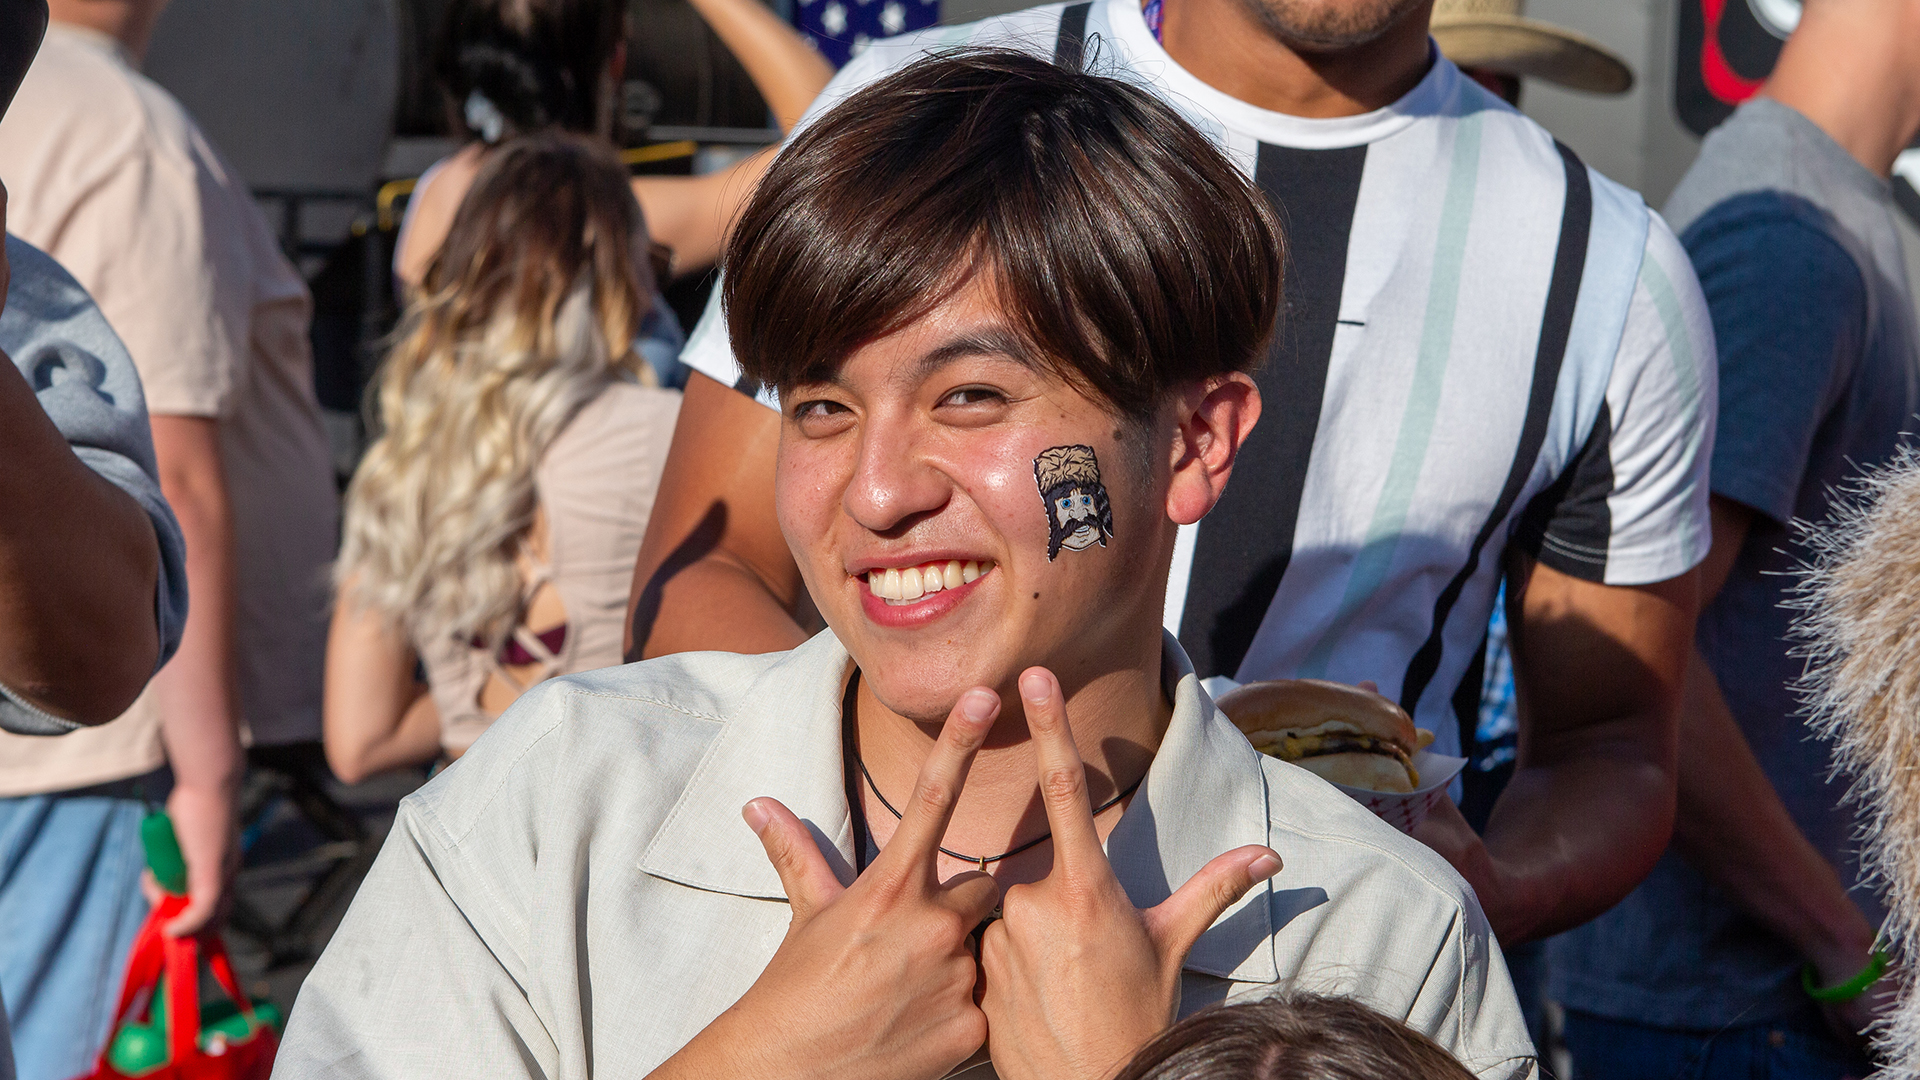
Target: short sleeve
<point>1789,309</point>
<point>89,388</point>
<point>171,283</point>
<point>1630,508</point>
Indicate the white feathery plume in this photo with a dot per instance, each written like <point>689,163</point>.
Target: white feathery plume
<point>1859,629</point>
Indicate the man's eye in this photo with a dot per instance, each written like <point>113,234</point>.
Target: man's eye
<point>817,410</point>
<point>972,395</point>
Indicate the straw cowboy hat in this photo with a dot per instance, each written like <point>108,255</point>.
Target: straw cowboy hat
<point>1493,34</point>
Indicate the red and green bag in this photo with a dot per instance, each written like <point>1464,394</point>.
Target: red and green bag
<point>162,1031</point>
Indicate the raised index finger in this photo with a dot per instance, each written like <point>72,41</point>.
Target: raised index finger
<point>1063,776</point>
<point>924,823</point>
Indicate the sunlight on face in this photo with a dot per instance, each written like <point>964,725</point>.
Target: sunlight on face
<point>906,490</point>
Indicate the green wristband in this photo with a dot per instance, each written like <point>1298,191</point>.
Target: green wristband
<point>1850,989</point>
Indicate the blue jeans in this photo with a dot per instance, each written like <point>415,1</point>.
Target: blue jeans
<point>1604,1049</point>
<point>70,905</point>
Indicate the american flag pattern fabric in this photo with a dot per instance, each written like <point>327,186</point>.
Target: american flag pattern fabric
<point>842,29</point>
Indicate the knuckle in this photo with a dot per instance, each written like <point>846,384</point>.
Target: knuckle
<point>934,795</point>
<point>1063,783</point>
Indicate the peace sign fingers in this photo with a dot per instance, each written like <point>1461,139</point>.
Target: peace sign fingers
<point>915,846</point>
<point>1063,776</point>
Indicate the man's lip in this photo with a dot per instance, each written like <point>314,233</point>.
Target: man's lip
<point>860,566</point>
<point>929,609</point>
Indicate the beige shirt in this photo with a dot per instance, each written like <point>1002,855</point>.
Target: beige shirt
<point>596,484</point>
<point>108,174</point>
<point>578,894</point>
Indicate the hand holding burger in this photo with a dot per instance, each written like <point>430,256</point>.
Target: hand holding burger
<point>1343,733</point>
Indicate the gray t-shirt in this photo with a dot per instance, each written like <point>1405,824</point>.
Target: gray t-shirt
<point>86,383</point>
<point>1795,247</point>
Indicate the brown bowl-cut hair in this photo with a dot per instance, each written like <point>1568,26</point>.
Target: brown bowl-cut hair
<point>1294,1036</point>
<point>1130,256</point>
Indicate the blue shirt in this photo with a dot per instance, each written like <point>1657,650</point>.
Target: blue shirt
<point>1795,247</point>
<point>87,384</point>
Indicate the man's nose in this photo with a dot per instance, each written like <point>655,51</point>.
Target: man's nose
<point>893,484</point>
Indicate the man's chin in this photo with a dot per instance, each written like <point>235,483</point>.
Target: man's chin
<point>926,706</point>
<point>1327,26</point>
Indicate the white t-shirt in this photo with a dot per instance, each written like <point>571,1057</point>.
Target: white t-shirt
<point>1484,343</point>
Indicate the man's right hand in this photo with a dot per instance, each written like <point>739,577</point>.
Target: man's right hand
<point>874,979</point>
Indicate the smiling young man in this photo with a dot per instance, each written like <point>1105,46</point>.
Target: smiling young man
<point>1491,366</point>
<point>1009,310</point>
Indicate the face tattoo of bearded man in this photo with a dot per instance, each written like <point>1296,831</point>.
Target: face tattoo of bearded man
<point>1078,513</point>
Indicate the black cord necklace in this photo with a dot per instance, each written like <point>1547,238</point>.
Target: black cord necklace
<point>983,860</point>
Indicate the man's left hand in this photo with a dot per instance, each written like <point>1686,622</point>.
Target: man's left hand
<point>1077,978</point>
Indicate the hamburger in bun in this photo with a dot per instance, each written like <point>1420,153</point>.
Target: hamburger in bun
<point>1343,733</point>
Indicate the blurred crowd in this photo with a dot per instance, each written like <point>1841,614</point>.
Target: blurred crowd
<point>1466,625</point>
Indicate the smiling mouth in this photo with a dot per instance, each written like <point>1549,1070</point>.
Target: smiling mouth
<point>899,586</point>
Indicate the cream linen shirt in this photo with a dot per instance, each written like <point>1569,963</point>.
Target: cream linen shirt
<point>108,174</point>
<point>579,895</point>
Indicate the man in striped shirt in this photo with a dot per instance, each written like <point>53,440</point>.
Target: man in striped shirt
<point>1491,360</point>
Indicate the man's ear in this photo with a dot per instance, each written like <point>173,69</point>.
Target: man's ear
<point>1215,417</point>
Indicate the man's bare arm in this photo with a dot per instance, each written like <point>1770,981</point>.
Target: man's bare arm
<point>1590,807</point>
<point>714,571</point>
<point>198,696</point>
<point>79,563</point>
<point>1733,828</point>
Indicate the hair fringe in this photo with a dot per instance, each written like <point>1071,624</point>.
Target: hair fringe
<point>1859,631</point>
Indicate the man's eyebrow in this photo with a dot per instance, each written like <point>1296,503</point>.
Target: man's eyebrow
<point>988,341</point>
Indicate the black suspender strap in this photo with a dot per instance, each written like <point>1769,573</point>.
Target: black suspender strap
<point>1563,293</point>
<point>1069,48</point>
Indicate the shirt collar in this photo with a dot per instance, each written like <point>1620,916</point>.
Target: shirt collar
<point>1439,92</point>
<point>1204,794</point>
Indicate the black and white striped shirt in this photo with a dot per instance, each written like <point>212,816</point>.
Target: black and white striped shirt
<point>1485,343</point>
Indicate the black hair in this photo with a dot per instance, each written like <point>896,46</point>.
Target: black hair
<point>512,67</point>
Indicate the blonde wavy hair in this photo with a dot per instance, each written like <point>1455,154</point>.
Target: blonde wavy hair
<point>527,313</point>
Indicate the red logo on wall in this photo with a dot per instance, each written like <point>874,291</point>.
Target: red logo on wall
<point>1727,47</point>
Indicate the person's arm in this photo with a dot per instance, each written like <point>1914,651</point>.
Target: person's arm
<point>714,571</point>
<point>1597,671</point>
<point>1734,829</point>
<point>692,214</point>
<point>785,69</point>
<point>376,717</point>
<point>199,712</point>
<point>79,562</point>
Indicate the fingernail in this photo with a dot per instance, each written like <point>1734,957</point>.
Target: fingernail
<point>1264,867</point>
<point>756,815</point>
<point>1033,687</point>
<point>979,706</point>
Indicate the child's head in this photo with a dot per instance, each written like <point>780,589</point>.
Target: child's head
<point>527,312</point>
<point>1001,302</point>
<point>1292,1037</point>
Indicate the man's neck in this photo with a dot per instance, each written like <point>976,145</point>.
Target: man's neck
<point>1872,112</point>
<point>1118,719</point>
<point>1229,47</point>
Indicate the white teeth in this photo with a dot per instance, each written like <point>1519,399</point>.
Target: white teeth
<point>909,583</point>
